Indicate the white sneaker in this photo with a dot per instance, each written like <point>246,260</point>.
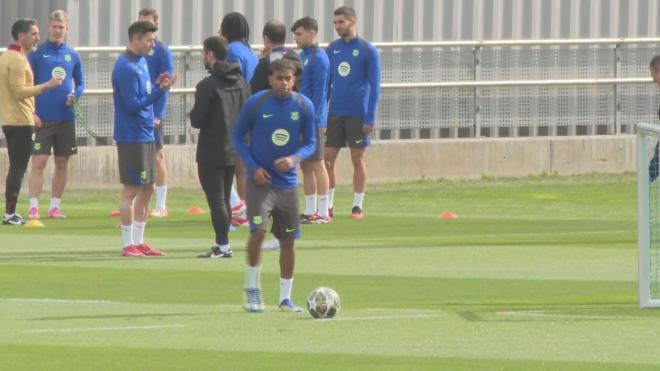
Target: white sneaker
<point>273,244</point>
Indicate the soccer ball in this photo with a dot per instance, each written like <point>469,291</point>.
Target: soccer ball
<point>323,302</point>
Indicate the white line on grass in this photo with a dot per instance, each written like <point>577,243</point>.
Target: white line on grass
<point>380,318</point>
<point>145,327</point>
<point>48,300</point>
<point>560,313</point>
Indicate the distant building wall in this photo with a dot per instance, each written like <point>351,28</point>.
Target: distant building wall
<point>185,22</point>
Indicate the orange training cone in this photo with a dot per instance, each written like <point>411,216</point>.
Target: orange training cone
<point>448,215</point>
<point>114,213</point>
<point>195,211</point>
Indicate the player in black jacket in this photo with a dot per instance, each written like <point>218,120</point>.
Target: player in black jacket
<point>218,101</point>
<point>274,35</point>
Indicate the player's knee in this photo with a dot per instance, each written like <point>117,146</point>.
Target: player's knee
<point>39,163</point>
<point>160,155</point>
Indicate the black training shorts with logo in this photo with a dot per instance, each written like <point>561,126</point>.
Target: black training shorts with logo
<point>346,129</point>
<point>280,204</point>
<point>58,136</point>
<point>137,163</point>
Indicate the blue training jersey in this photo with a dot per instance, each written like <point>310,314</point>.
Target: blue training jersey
<point>314,81</point>
<point>52,60</point>
<point>274,126</point>
<point>160,60</point>
<point>354,78</point>
<point>239,52</point>
<point>134,96</point>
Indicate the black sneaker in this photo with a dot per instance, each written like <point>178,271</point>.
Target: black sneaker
<point>356,213</point>
<point>216,253</point>
<point>14,219</point>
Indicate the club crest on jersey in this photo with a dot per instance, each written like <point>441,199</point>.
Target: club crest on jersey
<point>280,137</point>
<point>59,72</point>
<point>148,87</point>
<point>67,57</point>
<point>344,69</point>
<point>295,115</point>
<point>356,52</point>
<point>257,220</point>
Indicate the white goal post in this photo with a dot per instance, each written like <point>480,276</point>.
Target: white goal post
<point>648,215</point>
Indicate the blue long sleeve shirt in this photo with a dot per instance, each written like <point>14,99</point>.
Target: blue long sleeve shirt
<point>274,126</point>
<point>52,60</point>
<point>239,52</point>
<point>160,60</point>
<point>314,81</point>
<point>134,96</point>
<point>354,79</point>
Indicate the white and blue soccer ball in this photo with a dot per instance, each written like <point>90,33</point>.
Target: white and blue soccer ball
<point>323,302</point>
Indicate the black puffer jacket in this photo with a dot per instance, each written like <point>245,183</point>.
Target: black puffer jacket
<point>218,101</point>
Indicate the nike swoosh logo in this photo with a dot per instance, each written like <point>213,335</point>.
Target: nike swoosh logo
<point>336,51</point>
<point>358,141</point>
<point>266,116</point>
<point>289,230</point>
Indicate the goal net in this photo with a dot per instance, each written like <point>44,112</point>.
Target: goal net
<point>648,196</point>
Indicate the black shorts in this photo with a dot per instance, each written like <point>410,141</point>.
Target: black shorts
<point>343,129</point>
<point>158,135</point>
<point>137,163</point>
<point>60,136</point>
<point>280,204</point>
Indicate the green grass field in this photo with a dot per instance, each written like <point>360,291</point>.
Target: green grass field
<point>536,274</point>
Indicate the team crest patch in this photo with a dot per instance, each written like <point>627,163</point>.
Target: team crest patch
<point>143,175</point>
<point>67,57</point>
<point>37,146</point>
<point>295,115</point>
<point>356,52</point>
<point>257,220</point>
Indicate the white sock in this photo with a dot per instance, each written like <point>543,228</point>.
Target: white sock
<point>54,203</point>
<point>323,205</point>
<point>252,277</point>
<point>34,202</point>
<point>285,288</point>
<point>357,199</point>
<point>138,232</point>
<point>161,195</point>
<point>224,248</point>
<point>127,235</point>
<point>331,198</point>
<point>310,204</point>
<point>234,200</point>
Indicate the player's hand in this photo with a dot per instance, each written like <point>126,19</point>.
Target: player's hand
<point>285,163</point>
<point>165,82</point>
<point>161,77</point>
<point>367,129</point>
<point>53,82</point>
<point>156,121</point>
<point>70,100</point>
<point>37,120</point>
<point>261,176</point>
